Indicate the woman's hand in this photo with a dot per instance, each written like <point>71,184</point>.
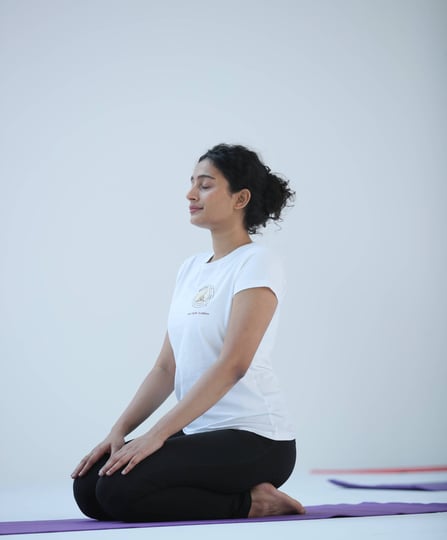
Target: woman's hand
<point>110,445</point>
<point>131,454</point>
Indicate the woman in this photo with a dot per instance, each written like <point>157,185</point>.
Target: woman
<point>227,445</point>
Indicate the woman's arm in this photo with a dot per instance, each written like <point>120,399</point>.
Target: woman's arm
<point>154,390</point>
<point>251,313</point>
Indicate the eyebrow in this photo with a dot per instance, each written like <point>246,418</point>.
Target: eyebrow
<point>203,176</point>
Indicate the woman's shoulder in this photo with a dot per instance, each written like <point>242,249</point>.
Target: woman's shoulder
<point>193,261</point>
<point>255,253</point>
<point>261,260</point>
<point>260,251</point>
<point>197,258</point>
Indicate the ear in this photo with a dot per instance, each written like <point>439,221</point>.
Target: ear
<point>242,199</point>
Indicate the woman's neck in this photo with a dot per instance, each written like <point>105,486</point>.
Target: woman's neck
<point>226,242</point>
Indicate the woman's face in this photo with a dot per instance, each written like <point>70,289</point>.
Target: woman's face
<point>211,204</point>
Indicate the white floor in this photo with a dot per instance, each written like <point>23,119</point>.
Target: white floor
<point>55,502</point>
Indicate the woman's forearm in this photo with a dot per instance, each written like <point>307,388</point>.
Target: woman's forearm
<point>154,390</point>
<point>207,391</point>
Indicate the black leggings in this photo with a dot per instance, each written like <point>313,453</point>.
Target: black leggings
<point>203,476</point>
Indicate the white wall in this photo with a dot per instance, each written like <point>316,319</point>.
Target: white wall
<point>105,107</point>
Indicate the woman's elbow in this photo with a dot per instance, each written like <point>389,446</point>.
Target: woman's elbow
<point>238,371</point>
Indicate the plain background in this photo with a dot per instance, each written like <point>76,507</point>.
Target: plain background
<point>105,107</point>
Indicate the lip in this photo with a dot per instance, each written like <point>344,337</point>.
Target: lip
<point>194,209</point>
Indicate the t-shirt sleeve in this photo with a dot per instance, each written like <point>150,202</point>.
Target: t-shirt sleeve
<point>261,269</point>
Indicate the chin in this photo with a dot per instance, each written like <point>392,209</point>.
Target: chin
<point>201,225</point>
<point>195,221</point>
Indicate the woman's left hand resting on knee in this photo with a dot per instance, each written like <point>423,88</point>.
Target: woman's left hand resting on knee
<point>131,454</point>
<point>251,313</point>
<point>111,444</point>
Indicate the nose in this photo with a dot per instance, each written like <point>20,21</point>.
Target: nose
<point>192,194</point>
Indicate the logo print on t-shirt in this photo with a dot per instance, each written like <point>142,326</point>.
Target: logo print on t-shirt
<point>203,297</point>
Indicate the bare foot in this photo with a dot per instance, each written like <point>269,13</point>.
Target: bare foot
<point>266,500</point>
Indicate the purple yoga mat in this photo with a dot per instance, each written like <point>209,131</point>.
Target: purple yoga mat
<point>414,486</point>
<point>312,512</point>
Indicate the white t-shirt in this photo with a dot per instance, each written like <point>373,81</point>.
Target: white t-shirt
<point>197,325</point>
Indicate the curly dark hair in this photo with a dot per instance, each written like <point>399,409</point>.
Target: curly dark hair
<point>243,169</point>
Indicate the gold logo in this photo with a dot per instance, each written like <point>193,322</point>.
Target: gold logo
<point>203,297</point>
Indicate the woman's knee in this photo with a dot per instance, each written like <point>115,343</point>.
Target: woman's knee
<point>118,495</point>
<point>84,491</point>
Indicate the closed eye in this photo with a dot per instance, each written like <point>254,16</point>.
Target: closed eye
<point>203,182</point>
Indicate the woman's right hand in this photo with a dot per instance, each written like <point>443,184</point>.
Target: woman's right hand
<point>111,444</point>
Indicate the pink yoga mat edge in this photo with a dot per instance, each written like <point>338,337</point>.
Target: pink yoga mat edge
<point>413,486</point>
<point>382,470</point>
